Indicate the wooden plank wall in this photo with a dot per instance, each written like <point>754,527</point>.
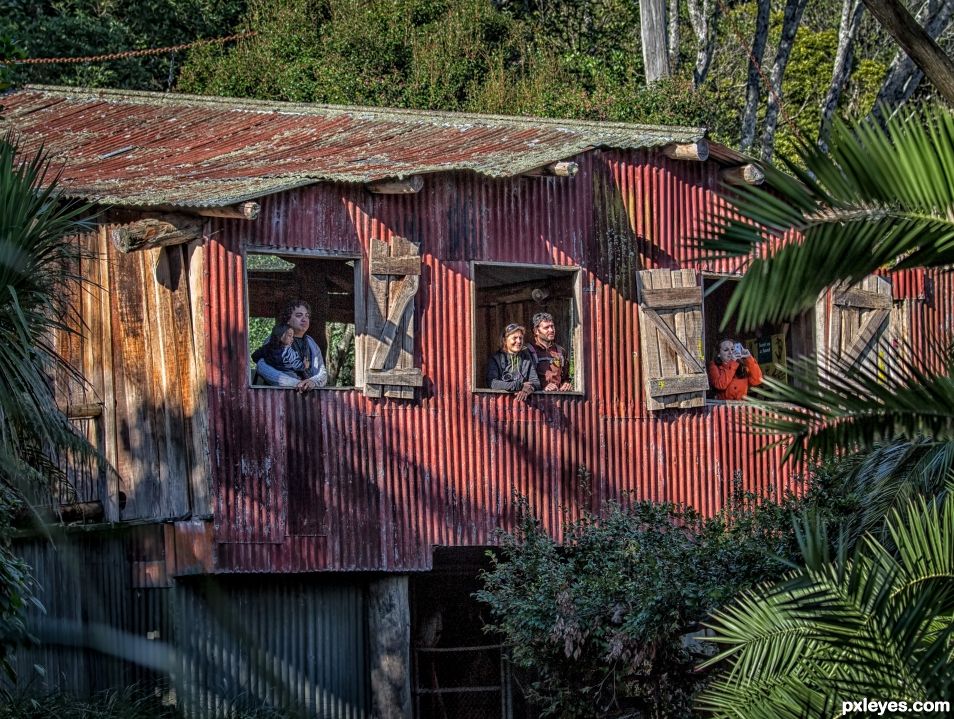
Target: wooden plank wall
<point>140,347</point>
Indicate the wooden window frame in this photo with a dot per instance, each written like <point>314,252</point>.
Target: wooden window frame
<point>575,342</point>
<point>358,308</point>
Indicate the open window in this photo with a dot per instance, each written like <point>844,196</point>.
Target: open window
<point>680,313</point>
<point>327,284</point>
<point>505,293</point>
<point>773,346</point>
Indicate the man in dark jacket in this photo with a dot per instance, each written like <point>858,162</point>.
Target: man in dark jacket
<point>551,360</point>
<point>512,368</point>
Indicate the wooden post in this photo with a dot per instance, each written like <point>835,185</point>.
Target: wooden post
<point>697,151</point>
<point>241,211</point>
<point>407,186</point>
<point>389,629</point>
<point>158,231</point>
<point>743,175</point>
<point>555,169</point>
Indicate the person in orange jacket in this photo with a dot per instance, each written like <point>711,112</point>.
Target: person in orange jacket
<point>733,371</point>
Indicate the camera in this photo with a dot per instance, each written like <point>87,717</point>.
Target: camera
<point>738,349</point>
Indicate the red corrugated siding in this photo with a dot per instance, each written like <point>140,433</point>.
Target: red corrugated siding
<point>931,320</point>
<point>387,480</point>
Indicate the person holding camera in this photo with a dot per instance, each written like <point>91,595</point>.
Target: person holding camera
<point>512,368</point>
<point>733,371</point>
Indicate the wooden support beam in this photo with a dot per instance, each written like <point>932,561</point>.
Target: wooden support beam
<point>410,265</point>
<point>409,377</point>
<point>697,151</point>
<point>407,186</point>
<point>241,211</point>
<point>80,512</point>
<point>555,169</point>
<point>743,175</point>
<point>389,632</point>
<point>159,231</point>
<point>83,411</point>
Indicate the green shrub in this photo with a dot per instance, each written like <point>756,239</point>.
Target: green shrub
<point>605,622</point>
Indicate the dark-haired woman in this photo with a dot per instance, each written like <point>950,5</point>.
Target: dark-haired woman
<point>512,368</point>
<point>733,371</point>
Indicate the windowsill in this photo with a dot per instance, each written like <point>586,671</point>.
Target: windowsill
<point>557,393</point>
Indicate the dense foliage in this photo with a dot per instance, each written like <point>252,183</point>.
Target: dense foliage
<point>874,622</point>
<point>81,28</point>
<point>604,623</point>
<point>578,58</point>
<point>567,60</point>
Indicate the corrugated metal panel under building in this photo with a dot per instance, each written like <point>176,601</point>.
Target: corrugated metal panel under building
<point>290,642</point>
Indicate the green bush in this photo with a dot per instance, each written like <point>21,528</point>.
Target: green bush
<point>604,623</point>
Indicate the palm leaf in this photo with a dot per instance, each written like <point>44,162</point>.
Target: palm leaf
<point>39,263</point>
<point>882,197</point>
<point>856,407</point>
<point>874,624</point>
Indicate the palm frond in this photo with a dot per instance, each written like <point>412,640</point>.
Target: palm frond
<point>855,406</point>
<point>882,197</point>
<point>39,263</point>
<point>876,623</point>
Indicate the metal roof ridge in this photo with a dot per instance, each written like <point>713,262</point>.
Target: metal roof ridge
<point>435,117</point>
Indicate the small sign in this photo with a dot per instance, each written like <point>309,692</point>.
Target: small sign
<point>771,354</point>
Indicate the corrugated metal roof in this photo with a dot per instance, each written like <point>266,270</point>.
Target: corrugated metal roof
<point>148,149</point>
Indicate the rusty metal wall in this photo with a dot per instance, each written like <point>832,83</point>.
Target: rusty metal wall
<point>390,479</point>
<point>930,319</point>
<point>289,642</point>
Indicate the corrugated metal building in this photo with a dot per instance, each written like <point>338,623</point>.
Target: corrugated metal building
<point>420,235</point>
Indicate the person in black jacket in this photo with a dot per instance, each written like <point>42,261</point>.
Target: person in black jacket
<point>512,368</point>
<point>277,352</point>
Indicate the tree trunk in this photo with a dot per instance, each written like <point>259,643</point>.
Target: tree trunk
<point>790,21</point>
<point>673,35</point>
<point>904,76</point>
<point>847,31</point>
<point>337,352</point>
<point>937,67</point>
<point>753,84</point>
<point>652,21</point>
<point>704,26</point>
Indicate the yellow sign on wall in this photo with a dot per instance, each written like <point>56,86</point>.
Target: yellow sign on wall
<point>771,354</point>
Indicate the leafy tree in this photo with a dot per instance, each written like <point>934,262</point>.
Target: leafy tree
<point>875,623</point>
<point>602,624</point>
<point>80,28</point>
<point>577,60</point>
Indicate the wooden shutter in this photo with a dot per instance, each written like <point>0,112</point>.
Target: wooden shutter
<point>394,277</point>
<point>860,316</point>
<point>670,337</point>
